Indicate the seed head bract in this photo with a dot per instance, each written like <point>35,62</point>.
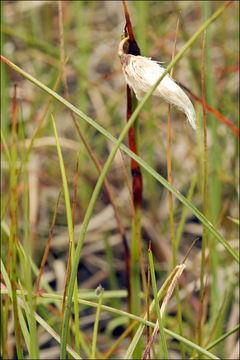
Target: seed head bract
<point>141,73</point>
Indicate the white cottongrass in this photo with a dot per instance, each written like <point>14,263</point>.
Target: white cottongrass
<point>141,73</point>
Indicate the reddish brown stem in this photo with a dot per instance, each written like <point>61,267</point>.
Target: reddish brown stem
<point>133,49</point>
<point>215,112</point>
<point>133,46</point>
<point>46,251</point>
<point>135,168</point>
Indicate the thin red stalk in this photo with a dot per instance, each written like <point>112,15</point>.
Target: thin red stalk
<point>226,69</point>
<point>47,247</point>
<point>189,250</point>
<point>135,168</point>
<point>133,49</point>
<point>215,112</point>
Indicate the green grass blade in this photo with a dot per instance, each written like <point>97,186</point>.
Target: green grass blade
<point>5,147</point>
<point>14,225</point>
<point>24,328</point>
<point>6,279</point>
<point>55,336</point>
<point>143,322</point>
<point>21,318</point>
<point>184,212</point>
<point>214,162</point>
<point>70,231</point>
<point>223,337</point>
<point>147,167</point>
<point>65,184</point>
<point>34,346</point>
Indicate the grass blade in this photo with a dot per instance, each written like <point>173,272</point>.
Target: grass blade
<point>70,230</point>
<point>5,147</point>
<point>13,229</point>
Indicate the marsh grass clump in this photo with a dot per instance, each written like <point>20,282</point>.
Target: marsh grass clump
<point>119,226</point>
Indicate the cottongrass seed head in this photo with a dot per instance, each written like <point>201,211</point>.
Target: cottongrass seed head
<point>141,73</point>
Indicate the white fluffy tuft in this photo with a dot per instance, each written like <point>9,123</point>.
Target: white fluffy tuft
<point>141,74</point>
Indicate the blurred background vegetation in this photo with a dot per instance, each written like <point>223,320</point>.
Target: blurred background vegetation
<point>92,31</point>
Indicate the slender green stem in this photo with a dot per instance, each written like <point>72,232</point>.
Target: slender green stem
<point>171,213</point>
<point>5,147</point>
<point>215,160</point>
<point>205,200</point>
<point>24,328</point>
<point>157,307</point>
<point>34,347</point>
<point>185,211</point>
<point>142,321</point>
<point>13,229</point>
<point>223,337</point>
<point>95,329</point>
<point>135,275</point>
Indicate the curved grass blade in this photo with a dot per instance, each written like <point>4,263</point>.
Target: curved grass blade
<point>148,168</point>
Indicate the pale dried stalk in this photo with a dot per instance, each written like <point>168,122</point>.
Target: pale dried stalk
<point>179,269</point>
